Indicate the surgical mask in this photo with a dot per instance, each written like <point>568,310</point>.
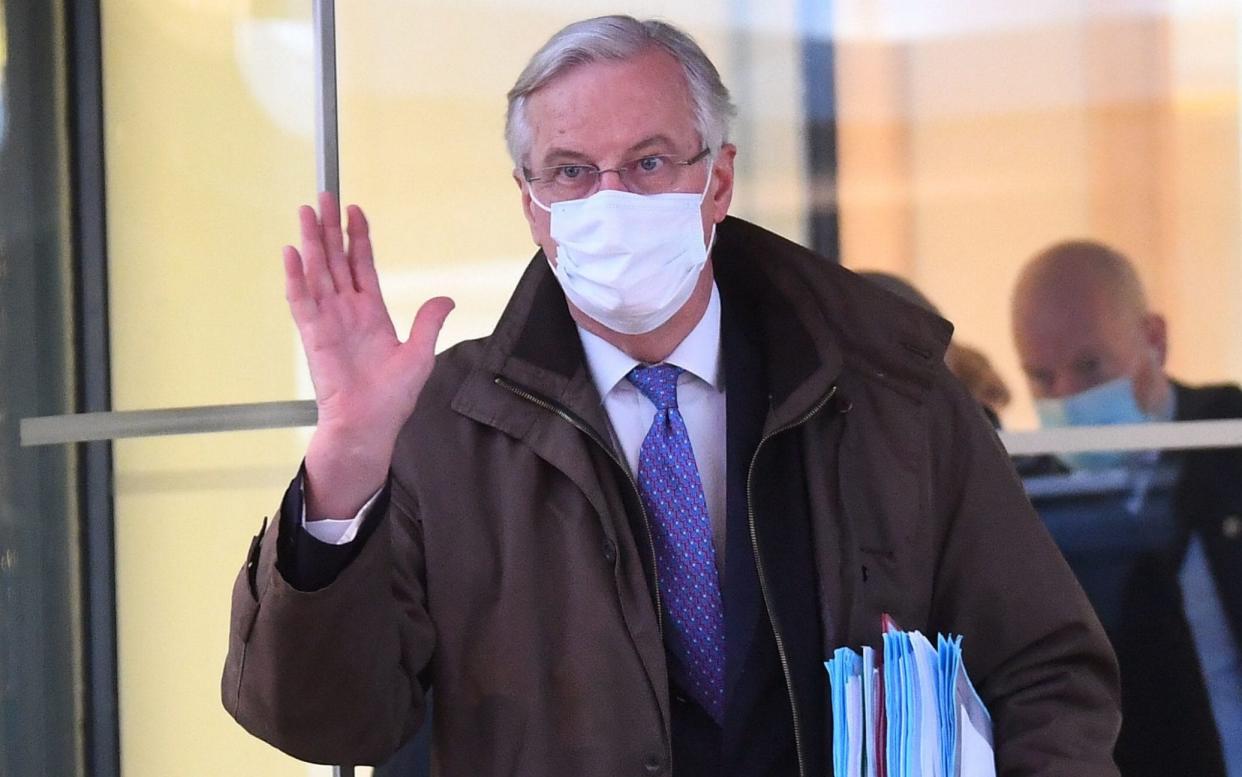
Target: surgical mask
<point>1107,404</point>
<point>629,261</point>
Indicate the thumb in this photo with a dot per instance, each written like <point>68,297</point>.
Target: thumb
<point>427,324</point>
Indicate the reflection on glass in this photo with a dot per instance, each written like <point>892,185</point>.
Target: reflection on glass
<point>1166,594</point>
<point>1135,525</point>
<point>971,135</point>
<point>275,55</point>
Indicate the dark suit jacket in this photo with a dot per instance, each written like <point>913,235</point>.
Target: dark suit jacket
<point>1210,497</point>
<point>1168,726</point>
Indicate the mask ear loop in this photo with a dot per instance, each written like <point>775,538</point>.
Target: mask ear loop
<point>530,191</point>
<point>711,169</point>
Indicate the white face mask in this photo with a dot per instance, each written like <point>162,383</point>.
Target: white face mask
<point>629,261</point>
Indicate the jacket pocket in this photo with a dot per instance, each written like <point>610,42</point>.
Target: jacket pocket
<point>246,589</point>
<point>244,613</point>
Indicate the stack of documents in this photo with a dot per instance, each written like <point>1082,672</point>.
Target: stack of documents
<point>911,712</point>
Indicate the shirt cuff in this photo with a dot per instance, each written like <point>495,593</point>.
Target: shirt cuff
<point>337,531</point>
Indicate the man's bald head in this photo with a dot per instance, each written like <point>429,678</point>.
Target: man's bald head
<point>1076,269</point>
<point>1080,318</point>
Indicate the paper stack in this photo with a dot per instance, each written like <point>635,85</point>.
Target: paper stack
<point>911,712</point>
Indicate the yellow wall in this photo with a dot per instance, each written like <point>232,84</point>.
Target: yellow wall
<point>200,184</point>
<point>974,137</point>
<point>209,151</point>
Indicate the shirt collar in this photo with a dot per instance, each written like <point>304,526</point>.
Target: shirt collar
<point>698,353</point>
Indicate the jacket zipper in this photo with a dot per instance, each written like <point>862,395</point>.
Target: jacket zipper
<point>763,580</point>
<point>583,427</point>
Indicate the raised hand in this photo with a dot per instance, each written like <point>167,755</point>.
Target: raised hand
<point>366,379</point>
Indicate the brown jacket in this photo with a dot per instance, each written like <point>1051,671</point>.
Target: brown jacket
<point>505,572</point>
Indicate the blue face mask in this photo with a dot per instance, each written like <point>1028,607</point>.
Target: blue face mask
<point>1107,404</point>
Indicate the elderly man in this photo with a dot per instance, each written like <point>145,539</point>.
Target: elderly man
<point>621,534</point>
<point>1094,353</point>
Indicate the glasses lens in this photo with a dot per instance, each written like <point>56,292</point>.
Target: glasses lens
<point>566,182</point>
<point>653,175</point>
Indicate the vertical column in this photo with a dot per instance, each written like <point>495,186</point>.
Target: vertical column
<point>40,628</point>
<point>102,730</point>
<point>327,146</point>
<point>819,83</point>
<point>875,180</point>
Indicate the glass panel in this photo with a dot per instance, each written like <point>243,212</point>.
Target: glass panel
<point>41,673</point>
<point>1154,543</point>
<point>209,135</point>
<point>209,146</point>
<point>422,120</point>
<point>974,136</point>
<point>969,137</point>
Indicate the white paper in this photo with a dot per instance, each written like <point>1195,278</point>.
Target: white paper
<point>854,724</point>
<point>977,757</point>
<point>934,723</point>
<point>925,663</point>
<point>871,711</point>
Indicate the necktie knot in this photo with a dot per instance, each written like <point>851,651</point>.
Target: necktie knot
<point>658,383</point>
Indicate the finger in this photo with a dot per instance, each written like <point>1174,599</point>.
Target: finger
<point>428,322</point>
<point>314,262</point>
<point>361,256</point>
<point>334,242</point>
<point>301,303</point>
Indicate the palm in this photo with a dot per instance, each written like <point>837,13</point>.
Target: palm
<point>366,379</point>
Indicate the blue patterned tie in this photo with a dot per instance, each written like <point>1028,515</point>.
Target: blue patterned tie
<point>672,493</point>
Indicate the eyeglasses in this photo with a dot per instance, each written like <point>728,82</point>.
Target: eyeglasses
<point>654,174</point>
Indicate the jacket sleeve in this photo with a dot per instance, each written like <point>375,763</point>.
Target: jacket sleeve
<point>1033,646</point>
<point>305,562</point>
<point>332,675</point>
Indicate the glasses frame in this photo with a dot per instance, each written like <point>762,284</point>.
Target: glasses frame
<point>620,171</point>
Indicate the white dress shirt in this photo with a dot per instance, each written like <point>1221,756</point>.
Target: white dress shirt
<point>700,398</point>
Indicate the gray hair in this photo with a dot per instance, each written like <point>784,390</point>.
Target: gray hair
<point>618,38</point>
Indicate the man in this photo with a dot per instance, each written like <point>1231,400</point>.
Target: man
<point>621,534</point>
<point>1094,353</point>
